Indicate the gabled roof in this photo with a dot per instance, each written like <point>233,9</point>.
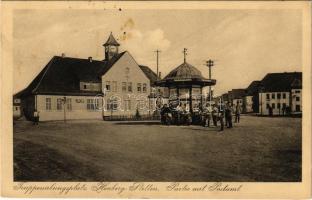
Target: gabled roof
<point>253,88</point>
<point>151,75</point>
<point>111,41</point>
<point>238,93</point>
<point>281,82</point>
<point>62,76</point>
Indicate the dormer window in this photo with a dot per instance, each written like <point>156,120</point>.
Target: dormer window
<point>84,86</point>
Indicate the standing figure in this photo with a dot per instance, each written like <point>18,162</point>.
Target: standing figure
<point>238,111</point>
<point>36,117</point>
<point>215,115</point>
<point>207,115</point>
<point>270,110</point>
<point>229,111</point>
<point>221,116</point>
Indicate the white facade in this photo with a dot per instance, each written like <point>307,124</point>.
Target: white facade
<point>248,104</point>
<point>126,88</point>
<point>280,102</point>
<point>296,100</point>
<point>52,107</point>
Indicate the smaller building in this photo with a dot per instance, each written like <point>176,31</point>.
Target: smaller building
<point>252,97</point>
<point>237,98</point>
<point>281,94</point>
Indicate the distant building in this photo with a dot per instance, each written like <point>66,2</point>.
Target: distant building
<point>237,97</point>
<point>225,98</point>
<point>76,88</point>
<point>281,93</point>
<point>251,98</point>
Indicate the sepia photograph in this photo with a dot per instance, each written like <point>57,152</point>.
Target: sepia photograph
<point>114,93</point>
<point>149,95</point>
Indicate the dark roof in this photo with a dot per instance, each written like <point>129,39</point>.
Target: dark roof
<point>184,71</point>
<point>253,88</point>
<point>280,82</point>
<point>151,75</point>
<point>62,76</point>
<point>111,41</point>
<point>238,93</point>
<point>225,97</point>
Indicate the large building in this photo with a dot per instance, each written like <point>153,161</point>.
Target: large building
<point>281,93</point>
<point>76,88</point>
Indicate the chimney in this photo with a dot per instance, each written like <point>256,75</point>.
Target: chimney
<point>159,75</point>
<point>90,59</point>
<point>63,55</point>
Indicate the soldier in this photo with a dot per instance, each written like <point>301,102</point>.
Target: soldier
<point>229,111</point>
<point>36,117</point>
<point>238,111</point>
<point>221,116</point>
<point>215,115</point>
<point>207,115</point>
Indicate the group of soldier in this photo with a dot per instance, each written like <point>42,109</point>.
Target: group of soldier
<point>208,115</point>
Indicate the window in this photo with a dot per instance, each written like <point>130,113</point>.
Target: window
<point>48,104</point>
<point>69,104</point>
<point>107,85</point>
<point>268,96</point>
<point>284,95</point>
<point>297,91</point>
<point>59,105</point>
<point>92,104</point>
<point>139,85</point>
<point>114,86</point>
<point>297,108</point>
<point>124,86</point>
<point>284,105</point>
<point>112,104</point>
<point>130,87</point>
<point>127,105</point>
<point>273,105</point>
<point>84,86</point>
<point>297,98</point>
<point>278,105</point>
<point>267,106</point>
<point>273,96</point>
<point>278,95</point>
<point>144,87</point>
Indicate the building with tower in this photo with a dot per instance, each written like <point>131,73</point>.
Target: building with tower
<point>79,88</point>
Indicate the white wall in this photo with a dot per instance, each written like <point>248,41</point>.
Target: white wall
<point>248,103</point>
<point>296,93</point>
<point>264,101</point>
<point>136,75</point>
<point>79,108</point>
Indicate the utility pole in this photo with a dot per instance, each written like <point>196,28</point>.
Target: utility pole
<point>209,64</point>
<point>157,62</point>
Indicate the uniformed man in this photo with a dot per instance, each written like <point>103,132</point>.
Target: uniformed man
<point>215,115</point>
<point>229,112</point>
<point>238,111</point>
<point>36,117</point>
<point>207,115</point>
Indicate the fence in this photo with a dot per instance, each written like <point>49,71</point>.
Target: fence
<point>131,118</point>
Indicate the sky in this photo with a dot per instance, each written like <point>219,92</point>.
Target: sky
<point>245,44</point>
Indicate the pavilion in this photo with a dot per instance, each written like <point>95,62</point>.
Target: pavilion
<point>185,84</point>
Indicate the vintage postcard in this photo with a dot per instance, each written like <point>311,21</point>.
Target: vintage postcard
<point>156,99</point>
